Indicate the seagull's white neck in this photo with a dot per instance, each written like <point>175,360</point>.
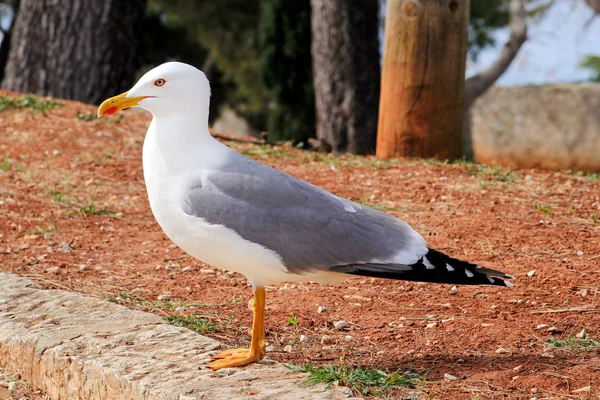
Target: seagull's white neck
<point>181,144</point>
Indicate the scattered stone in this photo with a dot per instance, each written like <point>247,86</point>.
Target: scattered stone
<point>580,253</point>
<point>270,348</point>
<point>327,339</point>
<point>288,348</point>
<point>584,389</point>
<point>553,329</point>
<point>346,390</point>
<point>341,325</point>
<point>188,268</point>
<point>12,388</point>
<point>531,273</point>
<point>207,271</point>
<point>321,309</point>
<point>303,338</point>
<point>582,334</point>
<point>502,350</point>
<point>540,326</point>
<point>547,355</point>
<point>327,348</point>
<point>449,377</point>
<point>66,248</point>
<point>349,338</point>
<point>166,296</point>
<point>52,270</point>
<point>518,368</point>
<point>431,325</point>
<point>83,267</point>
<point>180,309</point>
<point>410,352</point>
<point>582,292</point>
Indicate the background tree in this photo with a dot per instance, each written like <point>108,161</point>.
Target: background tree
<point>476,85</point>
<point>7,12</point>
<point>345,55</point>
<point>424,60</point>
<point>83,50</point>
<point>286,69</point>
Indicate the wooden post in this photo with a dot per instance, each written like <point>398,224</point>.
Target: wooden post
<point>422,86</point>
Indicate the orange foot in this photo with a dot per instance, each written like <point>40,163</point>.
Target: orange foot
<point>234,358</point>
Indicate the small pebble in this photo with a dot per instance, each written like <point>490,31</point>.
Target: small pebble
<point>179,309</point>
<point>303,338</point>
<point>341,325</point>
<point>349,338</point>
<point>186,269</point>
<point>582,334</point>
<point>12,387</point>
<point>66,248</point>
<point>83,267</point>
<point>531,273</point>
<point>288,348</point>
<point>518,368</point>
<point>547,355</point>
<point>207,271</point>
<point>553,329</point>
<point>540,326</point>
<point>166,296</point>
<point>584,389</point>
<point>321,309</point>
<point>449,377</point>
<point>431,325</point>
<point>270,348</point>
<point>52,270</point>
<point>502,350</point>
<point>580,253</point>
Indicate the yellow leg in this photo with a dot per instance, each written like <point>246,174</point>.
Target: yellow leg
<point>239,357</point>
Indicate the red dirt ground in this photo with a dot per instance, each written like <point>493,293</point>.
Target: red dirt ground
<point>516,221</point>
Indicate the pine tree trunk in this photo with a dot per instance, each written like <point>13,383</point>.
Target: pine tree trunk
<point>421,109</point>
<point>82,50</point>
<point>346,70</point>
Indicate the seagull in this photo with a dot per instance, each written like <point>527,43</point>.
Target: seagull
<point>241,215</point>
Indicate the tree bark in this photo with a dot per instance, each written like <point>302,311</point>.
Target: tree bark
<point>422,88</point>
<point>346,73</point>
<point>82,50</point>
<point>594,4</point>
<point>477,85</point>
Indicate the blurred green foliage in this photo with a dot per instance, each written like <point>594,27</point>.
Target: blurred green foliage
<point>592,62</point>
<point>286,70</point>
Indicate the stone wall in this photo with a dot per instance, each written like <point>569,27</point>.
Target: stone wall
<point>552,126</point>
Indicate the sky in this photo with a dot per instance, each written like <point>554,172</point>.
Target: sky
<point>555,47</point>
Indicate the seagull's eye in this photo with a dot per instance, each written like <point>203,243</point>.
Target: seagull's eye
<point>159,82</point>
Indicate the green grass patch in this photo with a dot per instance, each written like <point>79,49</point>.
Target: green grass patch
<point>573,343</point>
<point>198,323</point>
<point>543,208</point>
<point>38,104</point>
<point>363,382</point>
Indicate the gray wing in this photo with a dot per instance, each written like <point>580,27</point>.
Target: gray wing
<point>310,228</point>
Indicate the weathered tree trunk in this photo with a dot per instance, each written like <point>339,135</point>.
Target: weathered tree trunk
<point>422,87</point>
<point>83,50</point>
<point>345,57</point>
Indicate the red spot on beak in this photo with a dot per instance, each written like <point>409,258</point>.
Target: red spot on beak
<point>111,110</point>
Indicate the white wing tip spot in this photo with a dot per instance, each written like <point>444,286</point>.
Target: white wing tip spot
<point>427,263</point>
<point>469,273</point>
<point>491,279</point>
<point>509,284</point>
<point>349,208</point>
<point>449,268</point>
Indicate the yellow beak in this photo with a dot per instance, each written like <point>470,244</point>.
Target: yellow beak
<point>115,104</point>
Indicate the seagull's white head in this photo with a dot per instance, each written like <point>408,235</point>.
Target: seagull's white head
<point>170,88</point>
